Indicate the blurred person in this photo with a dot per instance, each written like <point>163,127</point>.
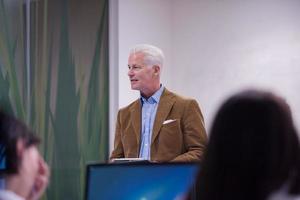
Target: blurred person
<point>160,125</point>
<point>253,151</point>
<point>24,171</point>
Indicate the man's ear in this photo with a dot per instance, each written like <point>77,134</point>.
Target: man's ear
<point>20,148</point>
<point>156,69</point>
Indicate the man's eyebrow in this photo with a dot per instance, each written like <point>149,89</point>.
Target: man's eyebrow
<point>133,65</point>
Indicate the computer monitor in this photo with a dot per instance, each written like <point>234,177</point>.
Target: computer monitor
<point>2,158</point>
<point>140,181</point>
<point>2,166</point>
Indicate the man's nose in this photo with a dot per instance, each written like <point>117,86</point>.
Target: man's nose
<point>130,72</point>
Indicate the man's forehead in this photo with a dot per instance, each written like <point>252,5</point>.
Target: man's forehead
<point>136,54</point>
<point>136,57</point>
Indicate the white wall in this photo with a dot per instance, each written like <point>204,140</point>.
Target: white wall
<point>215,48</point>
<point>141,21</point>
<point>220,47</point>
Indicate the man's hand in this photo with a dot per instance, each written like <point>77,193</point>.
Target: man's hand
<point>41,181</point>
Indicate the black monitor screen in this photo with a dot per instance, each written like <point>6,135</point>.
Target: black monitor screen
<point>2,165</point>
<point>2,158</point>
<point>140,181</point>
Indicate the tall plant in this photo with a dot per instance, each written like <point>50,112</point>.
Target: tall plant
<point>72,122</point>
<point>93,113</point>
<point>8,47</point>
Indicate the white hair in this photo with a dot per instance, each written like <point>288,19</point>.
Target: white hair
<point>152,55</point>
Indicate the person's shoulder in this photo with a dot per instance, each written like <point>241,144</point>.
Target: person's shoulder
<point>9,195</point>
<point>130,106</point>
<point>282,194</point>
<point>179,97</point>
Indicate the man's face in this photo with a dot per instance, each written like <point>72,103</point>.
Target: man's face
<point>30,163</point>
<point>33,172</point>
<point>141,77</point>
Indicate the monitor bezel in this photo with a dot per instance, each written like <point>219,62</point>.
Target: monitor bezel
<point>91,165</point>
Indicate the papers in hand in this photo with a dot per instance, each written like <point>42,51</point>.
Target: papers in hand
<point>128,160</point>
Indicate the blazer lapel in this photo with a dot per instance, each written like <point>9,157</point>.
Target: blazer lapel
<point>165,104</point>
<point>136,119</point>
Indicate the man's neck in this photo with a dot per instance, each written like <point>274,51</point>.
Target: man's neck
<point>17,185</point>
<point>147,95</point>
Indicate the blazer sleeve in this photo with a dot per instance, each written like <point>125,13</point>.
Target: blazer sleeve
<point>118,151</point>
<point>194,134</point>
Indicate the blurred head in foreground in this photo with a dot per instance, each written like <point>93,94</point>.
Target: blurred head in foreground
<point>253,150</point>
<point>24,171</point>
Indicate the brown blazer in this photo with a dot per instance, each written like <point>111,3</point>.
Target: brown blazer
<point>183,139</point>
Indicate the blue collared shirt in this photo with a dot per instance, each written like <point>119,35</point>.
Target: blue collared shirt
<point>149,108</point>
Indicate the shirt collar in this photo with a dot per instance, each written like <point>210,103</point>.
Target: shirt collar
<point>155,97</point>
<point>9,195</point>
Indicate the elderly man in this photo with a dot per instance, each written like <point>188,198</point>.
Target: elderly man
<point>160,126</point>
